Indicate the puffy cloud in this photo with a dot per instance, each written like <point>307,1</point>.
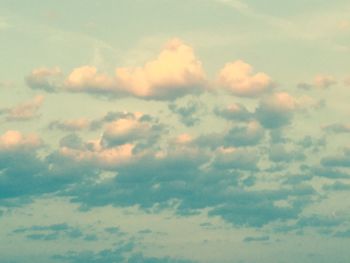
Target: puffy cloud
<point>324,81</point>
<point>233,158</point>
<point>338,160</point>
<point>87,78</point>
<point>175,72</point>
<point>23,172</point>
<point>276,110</point>
<point>26,173</point>
<point>234,111</point>
<point>279,153</point>
<point>24,111</point>
<point>124,130</point>
<point>123,140</point>
<point>320,81</point>
<point>71,125</point>
<point>187,113</point>
<point>95,155</point>
<point>188,178</point>
<point>258,208</point>
<point>183,139</point>
<point>48,79</point>
<point>250,134</point>
<point>239,78</point>
<point>15,140</point>
<point>137,127</point>
<point>117,115</point>
<point>306,103</point>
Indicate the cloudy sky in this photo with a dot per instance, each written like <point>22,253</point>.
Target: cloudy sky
<point>207,131</point>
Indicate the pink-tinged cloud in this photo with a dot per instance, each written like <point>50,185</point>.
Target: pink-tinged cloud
<point>183,138</point>
<point>25,111</point>
<point>99,156</point>
<point>175,72</point>
<point>127,130</point>
<point>48,79</point>
<point>15,140</point>
<point>239,79</point>
<point>282,101</point>
<point>119,143</point>
<point>123,127</point>
<point>276,110</point>
<point>235,158</point>
<point>324,81</point>
<point>87,78</point>
<point>71,125</point>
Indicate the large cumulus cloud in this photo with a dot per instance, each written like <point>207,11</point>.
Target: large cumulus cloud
<point>174,73</point>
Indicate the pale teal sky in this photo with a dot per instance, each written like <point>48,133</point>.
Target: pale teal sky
<point>209,131</point>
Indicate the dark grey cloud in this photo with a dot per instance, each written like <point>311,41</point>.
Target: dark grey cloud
<point>276,110</point>
<point>279,153</point>
<point>50,232</point>
<point>131,131</point>
<point>337,186</point>
<point>272,118</point>
<point>256,239</point>
<point>304,86</point>
<point>26,174</point>
<point>342,234</point>
<point>47,79</point>
<point>340,160</point>
<point>123,253</point>
<point>234,112</point>
<point>249,134</point>
<point>240,159</point>
<point>187,113</point>
<point>177,181</point>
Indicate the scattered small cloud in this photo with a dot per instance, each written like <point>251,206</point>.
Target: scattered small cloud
<point>24,111</point>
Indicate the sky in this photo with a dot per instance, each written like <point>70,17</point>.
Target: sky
<point>197,131</point>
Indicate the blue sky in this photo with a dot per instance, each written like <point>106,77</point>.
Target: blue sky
<point>174,131</point>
